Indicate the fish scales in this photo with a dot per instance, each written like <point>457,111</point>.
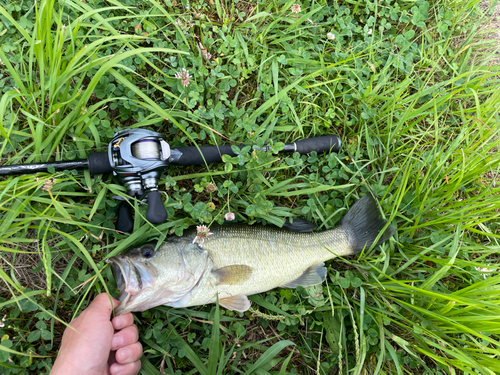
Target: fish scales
<point>275,256</point>
<point>236,261</point>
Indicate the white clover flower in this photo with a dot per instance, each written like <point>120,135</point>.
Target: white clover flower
<point>204,52</point>
<point>295,8</point>
<point>229,216</point>
<point>202,232</point>
<point>370,31</point>
<point>184,76</point>
<point>330,36</point>
<point>487,271</point>
<point>211,187</point>
<point>47,185</point>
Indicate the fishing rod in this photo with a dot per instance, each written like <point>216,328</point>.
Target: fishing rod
<point>138,157</point>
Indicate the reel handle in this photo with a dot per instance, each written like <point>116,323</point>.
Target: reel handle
<point>125,221</point>
<point>156,212</point>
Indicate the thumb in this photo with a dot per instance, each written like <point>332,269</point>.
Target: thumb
<point>103,304</point>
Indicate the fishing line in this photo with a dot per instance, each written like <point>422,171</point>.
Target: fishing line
<point>147,149</point>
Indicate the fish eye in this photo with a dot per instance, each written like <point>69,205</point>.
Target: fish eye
<point>148,252</point>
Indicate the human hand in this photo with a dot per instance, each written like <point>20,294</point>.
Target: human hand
<point>97,345</point>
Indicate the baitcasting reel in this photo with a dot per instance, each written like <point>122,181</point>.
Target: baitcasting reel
<point>137,157</point>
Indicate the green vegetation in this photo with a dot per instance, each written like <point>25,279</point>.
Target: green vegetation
<point>406,84</point>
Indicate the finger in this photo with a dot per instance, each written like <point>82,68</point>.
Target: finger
<point>125,337</point>
<point>122,321</point>
<point>129,354</point>
<point>127,369</point>
<point>103,303</point>
<point>99,309</point>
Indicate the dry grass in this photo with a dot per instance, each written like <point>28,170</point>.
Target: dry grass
<point>27,269</point>
<point>491,30</point>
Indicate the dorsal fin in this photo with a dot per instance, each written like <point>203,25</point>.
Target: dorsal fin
<point>233,275</point>
<point>299,225</point>
<point>238,303</point>
<point>313,275</point>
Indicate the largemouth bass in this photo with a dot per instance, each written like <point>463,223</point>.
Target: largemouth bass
<point>237,261</point>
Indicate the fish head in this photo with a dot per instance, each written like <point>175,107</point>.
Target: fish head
<point>147,278</point>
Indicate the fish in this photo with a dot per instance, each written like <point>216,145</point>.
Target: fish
<point>236,261</point>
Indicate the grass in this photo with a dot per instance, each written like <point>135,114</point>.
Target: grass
<point>407,85</point>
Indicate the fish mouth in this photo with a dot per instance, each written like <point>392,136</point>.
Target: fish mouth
<point>127,276</point>
<point>132,277</point>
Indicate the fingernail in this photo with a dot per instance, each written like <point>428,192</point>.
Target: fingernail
<point>119,322</point>
<point>117,342</point>
<point>124,354</point>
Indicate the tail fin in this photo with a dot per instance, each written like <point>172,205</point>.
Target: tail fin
<point>364,223</point>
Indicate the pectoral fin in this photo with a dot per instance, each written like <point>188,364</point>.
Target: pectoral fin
<point>233,275</point>
<point>238,303</point>
<point>313,275</point>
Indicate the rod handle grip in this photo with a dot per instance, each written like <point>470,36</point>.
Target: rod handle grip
<point>325,143</point>
<point>190,155</point>
<point>99,163</point>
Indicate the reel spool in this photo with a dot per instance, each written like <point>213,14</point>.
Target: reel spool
<point>147,149</point>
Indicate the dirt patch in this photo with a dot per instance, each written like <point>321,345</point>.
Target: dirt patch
<point>491,29</point>
<point>20,267</point>
<point>27,269</point>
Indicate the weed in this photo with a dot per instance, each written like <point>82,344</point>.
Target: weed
<point>400,82</point>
